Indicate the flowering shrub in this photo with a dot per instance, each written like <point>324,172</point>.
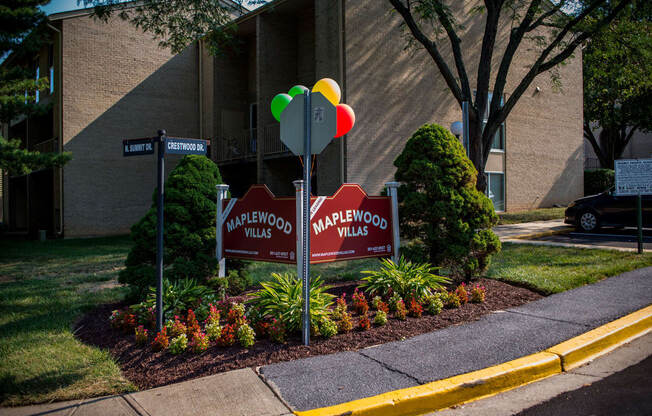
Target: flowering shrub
<point>364,323</point>
<point>213,330</point>
<point>276,331</point>
<point>141,335</point>
<point>394,301</point>
<point>161,341</point>
<point>261,328</point>
<point>340,307</point>
<point>345,324</point>
<point>227,336</point>
<point>178,344</point>
<point>415,309</point>
<point>478,294</point>
<point>434,305</point>
<point>192,324</point>
<point>213,315</point>
<point>198,342</point>
<point>375,300</point>
<point>246,335</point>
<point>401,312</point>
<point>177,327</point>
<point>225,305</point>
<point>234,317</point>
<point>462,293</point>
<point>451,300</point>
<point>116,318</point>
<point>360,302</point>
<point>383,307</point>
<point>381,318</point>
<point>327,327</point>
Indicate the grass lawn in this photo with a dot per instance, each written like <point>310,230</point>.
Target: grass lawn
<point>541,214</point>
<point>44,286</point>
<point>555,269</point>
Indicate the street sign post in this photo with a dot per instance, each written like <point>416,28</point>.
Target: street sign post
<point>634,177</point>
<point>173,145</point>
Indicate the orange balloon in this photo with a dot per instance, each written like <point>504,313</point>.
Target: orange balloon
<point>345,119</point>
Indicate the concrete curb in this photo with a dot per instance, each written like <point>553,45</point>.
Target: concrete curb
<point>493,380</point>
<point>541,234</point>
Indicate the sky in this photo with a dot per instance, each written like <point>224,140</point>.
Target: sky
<point>56,6</point>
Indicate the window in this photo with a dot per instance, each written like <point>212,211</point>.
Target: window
<point>496,189</point>
<point>498,143</point>
<point>38,75</point>
<point>51,66</point>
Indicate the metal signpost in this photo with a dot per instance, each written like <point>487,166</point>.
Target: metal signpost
<point>634,177</point>
<point>174,145</point>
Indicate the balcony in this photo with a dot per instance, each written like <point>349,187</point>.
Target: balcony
<point>242,147</point>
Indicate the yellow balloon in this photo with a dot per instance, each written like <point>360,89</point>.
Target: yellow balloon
<point>330,89</point>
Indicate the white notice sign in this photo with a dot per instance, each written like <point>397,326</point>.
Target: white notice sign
<point>633,176</point>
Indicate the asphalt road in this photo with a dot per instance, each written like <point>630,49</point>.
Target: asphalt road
<point>610,237</point>
<point>628,392</point>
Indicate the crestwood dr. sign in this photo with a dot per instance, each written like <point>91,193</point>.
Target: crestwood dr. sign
<point>348,225</point>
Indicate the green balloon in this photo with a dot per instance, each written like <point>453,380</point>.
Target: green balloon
<point>297,89</point>
<point>278,105</point>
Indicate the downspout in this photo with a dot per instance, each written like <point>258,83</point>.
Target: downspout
<point>59,91</point>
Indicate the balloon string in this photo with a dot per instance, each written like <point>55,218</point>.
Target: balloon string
<point>312,167</point>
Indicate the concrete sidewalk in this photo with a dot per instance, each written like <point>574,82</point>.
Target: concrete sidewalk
<point>531,229</point>
<point>332,379</point>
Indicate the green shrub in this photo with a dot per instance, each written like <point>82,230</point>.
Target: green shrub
<point>394,301</point>
<point>179,296</point>
<point>434,304</point>
<point>440,205</point>
<point>327,328</point>
<point>213,331</point>
<point>598,180</point>
<point>246,335</point>
<point>189,231</point>
<point>178,344</point>
<point>405,279</point>
<point>281,298</point>
<point>380,319</point>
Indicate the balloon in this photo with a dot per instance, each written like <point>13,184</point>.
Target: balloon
<point>297,89</point>
<point>345,119</point>
<point>330,89</point>
<point>279,102</point>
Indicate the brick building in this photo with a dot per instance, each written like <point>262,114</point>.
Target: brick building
<point>117,83</point>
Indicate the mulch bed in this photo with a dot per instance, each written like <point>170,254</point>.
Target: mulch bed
<point>147,369</point>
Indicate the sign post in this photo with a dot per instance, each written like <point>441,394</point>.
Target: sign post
<point>305,256</point>
<point>634,177</point>
<point>298,186</point>
<point>160,182</point>
<point>145,146</point>
<point>222,191</point>
<point>392,191</point>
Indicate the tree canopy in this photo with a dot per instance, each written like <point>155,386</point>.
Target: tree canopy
<point>555,29</point>
<point>22,32</point>
<point>618,82</point>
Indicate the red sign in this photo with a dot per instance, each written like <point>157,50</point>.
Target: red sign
<point>348,225</point>
<point>260,226</point>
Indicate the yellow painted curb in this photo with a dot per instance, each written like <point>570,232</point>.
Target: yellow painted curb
<point>445,393</point>
<point>542,234</point>
<point>586,347</point>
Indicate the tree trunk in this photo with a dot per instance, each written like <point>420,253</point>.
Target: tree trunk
<point>608,138</point>
<point>476,154</point>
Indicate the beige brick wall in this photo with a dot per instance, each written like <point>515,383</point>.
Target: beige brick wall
<point>117,84</point>
<point>394,91</point>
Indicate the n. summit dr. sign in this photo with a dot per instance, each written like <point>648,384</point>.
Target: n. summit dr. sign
<point>348,225</point>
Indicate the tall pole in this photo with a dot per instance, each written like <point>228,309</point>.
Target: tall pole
<point>392,191</point>
<point>298,186</point>
<point>222,190</point>
<point>159,231</point>
<point>639,221</point>
<point>306,218</point>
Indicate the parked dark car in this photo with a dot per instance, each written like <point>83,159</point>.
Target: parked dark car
<point>606,209</point>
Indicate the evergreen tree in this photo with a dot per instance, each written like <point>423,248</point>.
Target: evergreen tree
<point>440,205</point>
<point>189,230</point>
